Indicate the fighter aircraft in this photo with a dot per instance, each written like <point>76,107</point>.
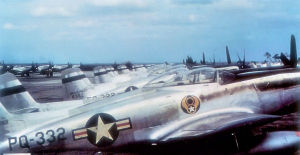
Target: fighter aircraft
<point>78,86</point>
<point>50,68</point>
<point>23,70</point>
<point>287,63</point>
<point>60,68</point>
<point>46,69</point>
<point>186,115</point>
<point>16,99</point>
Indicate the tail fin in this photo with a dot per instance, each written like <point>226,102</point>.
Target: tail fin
<point>99,72</point>
<point>203,59</point>
<point>75,83</point>
<point>103,75</point>
<point>228,55</point>
<point>240,60</point>
<point>14,96</point>
<point>244,60</point>
<point>293,52</point>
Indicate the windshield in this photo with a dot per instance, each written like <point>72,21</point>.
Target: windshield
<point>161,69</point>
<point>183,76</point>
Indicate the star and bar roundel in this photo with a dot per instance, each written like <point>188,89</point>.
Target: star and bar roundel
<point>102,129</point>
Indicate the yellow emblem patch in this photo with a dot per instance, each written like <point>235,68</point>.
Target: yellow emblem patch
<point>190,104</point>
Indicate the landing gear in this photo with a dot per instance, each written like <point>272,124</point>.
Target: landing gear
<point>49,73</point>
<point>25,74</point>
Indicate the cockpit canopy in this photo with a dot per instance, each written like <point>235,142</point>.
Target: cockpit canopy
<point>184,76</point>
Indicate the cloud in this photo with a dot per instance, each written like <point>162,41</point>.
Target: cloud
<point>165,25</point>
<point>83,23</point>
<point>9,26</point>
<point>71,35</point>
<point>50,11</point>
<point>113,3</point>
<point>72,8</point>
<point>185,2</point>
<point>192,17</point>
<point>233,4</point>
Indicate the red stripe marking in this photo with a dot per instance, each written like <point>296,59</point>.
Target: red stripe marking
<point>123,124</point>
<point>298,133</point>
<point>80,133</point>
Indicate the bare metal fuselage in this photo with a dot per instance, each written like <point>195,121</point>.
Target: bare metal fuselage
<point>154,112</point>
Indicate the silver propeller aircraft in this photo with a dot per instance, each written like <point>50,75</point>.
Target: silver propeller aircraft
<point>23,70</point>
<point>78,86</point>
<point>173,117</point>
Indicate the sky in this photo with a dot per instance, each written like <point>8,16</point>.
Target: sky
<point>107,31</point>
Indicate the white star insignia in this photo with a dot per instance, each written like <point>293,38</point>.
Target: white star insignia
<point>102,130</point>
<point>191,109</point>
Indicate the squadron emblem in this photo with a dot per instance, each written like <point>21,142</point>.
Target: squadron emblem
<point>102,129</point>
<point>190,104</point>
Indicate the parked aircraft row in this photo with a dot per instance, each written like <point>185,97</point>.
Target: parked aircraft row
<point>50,68</point>
<point>160,108</point>
<point>25,70</point>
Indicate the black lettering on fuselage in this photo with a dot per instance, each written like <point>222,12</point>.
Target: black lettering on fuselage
<point>12,141</point>
<point>23,142</point>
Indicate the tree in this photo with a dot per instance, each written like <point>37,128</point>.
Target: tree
<point>276,57</point>
<point>189,61</point>
<point>268,56</point>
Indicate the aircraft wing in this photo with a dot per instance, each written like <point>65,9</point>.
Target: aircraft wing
<point>200,127</point>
